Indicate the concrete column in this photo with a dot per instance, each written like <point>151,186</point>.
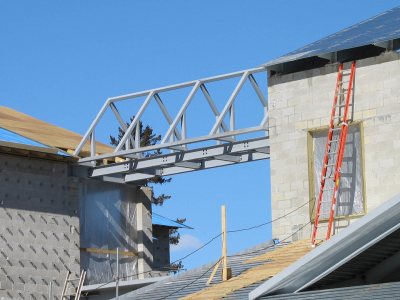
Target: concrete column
<point>144,230</point>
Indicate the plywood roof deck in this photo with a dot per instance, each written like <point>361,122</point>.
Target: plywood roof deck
<point>44,132</point>
<point>275,262</point>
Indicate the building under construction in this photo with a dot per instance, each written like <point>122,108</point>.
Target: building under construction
<point>328,126</point>
<point>56,220</point>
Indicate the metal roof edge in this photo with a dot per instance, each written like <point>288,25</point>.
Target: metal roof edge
<point>130,283</point>
<point>333,253</point>
<point>160,220</point>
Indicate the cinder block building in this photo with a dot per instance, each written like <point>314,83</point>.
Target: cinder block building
<point>54,219</point>
<point>301,87</point>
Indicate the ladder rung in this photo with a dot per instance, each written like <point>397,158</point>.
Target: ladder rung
<point>332,153</point>
<point>331,189</point>
<point>330,165</point>
<point>338,105</point>
<point>333,141</point>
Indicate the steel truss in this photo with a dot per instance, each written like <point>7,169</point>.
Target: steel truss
<point>128,162</point>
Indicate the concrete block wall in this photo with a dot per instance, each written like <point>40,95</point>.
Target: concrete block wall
<point>39,236</point>
<point>300,102</point>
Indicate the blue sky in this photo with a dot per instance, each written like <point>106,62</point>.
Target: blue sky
<point>60,60</point>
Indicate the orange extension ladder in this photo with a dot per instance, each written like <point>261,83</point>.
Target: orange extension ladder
<point>334,149</point>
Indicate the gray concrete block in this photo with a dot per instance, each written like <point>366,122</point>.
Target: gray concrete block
<point>309,95</point>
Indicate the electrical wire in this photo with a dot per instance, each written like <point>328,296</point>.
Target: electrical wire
<point>269,222</point>
<point>198,249</point>
<point>271,246</point>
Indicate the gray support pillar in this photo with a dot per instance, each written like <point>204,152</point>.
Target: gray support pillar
<point>144,230</point>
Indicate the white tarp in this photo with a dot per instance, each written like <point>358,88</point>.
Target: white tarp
<point>351,199</point>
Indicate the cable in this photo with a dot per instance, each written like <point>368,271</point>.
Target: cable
<point>269,222</point>
<point>240,230</point>
<point>198,249</point>
<point>271,246</point>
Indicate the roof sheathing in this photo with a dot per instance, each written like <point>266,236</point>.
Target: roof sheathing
<point>272,263</point>
<point>43,132</point>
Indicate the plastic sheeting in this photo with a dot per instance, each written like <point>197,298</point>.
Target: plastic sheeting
<point>108,221</point>
<point>351,198</point>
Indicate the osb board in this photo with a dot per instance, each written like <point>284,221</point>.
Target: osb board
<point>43,132</point>
<point>276,261</point>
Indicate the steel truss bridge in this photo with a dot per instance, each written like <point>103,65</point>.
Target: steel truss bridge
<point>176,152</point>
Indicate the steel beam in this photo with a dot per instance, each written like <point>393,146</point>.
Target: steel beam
<point>229,104</point>
<point>188,165</point>
<point>208,164</point>
<point>136,121</point>
<point>231,158</point>
<point>181,111</point>
<point>124,153</point>
<point>186,154</point>
<point>186,84</point>
<point>221,151</point>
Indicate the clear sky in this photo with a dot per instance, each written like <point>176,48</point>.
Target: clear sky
<point>60,60</point>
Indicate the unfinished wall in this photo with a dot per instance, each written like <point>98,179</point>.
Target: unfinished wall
<point>301,102</point>
<point>48,215</point>
<point>39,238</point>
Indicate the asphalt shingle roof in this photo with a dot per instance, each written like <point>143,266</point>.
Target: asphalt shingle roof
<point>175,285</point>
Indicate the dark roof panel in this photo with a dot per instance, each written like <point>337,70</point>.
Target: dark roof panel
<point>381,28</point>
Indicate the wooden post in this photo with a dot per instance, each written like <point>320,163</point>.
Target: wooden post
<point>226,272</point>
<point>117,280</point>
